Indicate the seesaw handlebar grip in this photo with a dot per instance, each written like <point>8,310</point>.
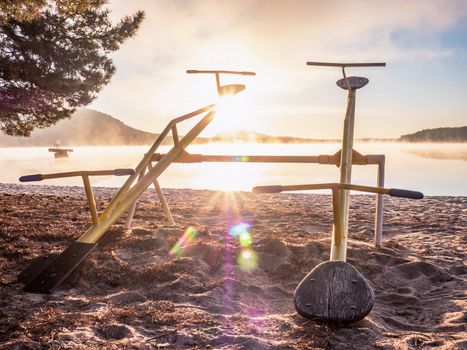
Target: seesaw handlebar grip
<point>123,172</point>
<point>267,189</point>
<point>396,192</point>
<point>28,178</point>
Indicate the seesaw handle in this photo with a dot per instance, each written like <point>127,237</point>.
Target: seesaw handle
<point>40,177</point>
<point>334,64</point>
<point>123,172</point>
<point>195,71</point>
<point>396,192</point>
<point>29,178</point>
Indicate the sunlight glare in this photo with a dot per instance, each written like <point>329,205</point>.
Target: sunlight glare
<point>187,238</point>
<point>232,113</point>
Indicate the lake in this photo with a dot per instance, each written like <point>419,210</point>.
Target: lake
<point>434,169</point>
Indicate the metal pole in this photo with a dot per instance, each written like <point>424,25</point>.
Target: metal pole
<point>165,206</point>
<point>379,206</point>
<point>131,211</point>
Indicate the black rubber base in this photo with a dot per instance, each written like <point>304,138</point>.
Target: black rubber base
<point>334,292</point>
<point>57,270</point>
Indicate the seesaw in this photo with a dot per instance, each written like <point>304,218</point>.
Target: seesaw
<point>335,291</point>
<point>43,275</point>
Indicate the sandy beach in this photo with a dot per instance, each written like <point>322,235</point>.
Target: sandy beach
<point>136,291</point>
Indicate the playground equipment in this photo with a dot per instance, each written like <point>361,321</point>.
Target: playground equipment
<point>335,291</point>
<point>44,275</point>
<point>342,293</point>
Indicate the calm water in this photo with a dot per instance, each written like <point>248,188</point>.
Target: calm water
<point>435,169</point>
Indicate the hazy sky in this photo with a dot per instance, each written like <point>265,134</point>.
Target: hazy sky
<point>424,44</point>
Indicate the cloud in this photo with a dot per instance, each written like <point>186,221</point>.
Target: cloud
<point>274,38</point>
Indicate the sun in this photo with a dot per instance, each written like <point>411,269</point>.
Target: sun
<point>232,114</point>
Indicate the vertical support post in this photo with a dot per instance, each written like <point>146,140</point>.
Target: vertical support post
<point>339,239</point>
<point>379,205</point>
<point>218,83</point>
<point>131,211</point>
<point>91,200</point>
<point>160,194</point>
<point>174,135</point>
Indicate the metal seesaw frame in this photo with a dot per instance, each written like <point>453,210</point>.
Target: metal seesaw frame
<point>344,159</point>
<point>357,159</point>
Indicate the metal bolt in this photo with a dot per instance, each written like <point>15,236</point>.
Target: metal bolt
<point>308,304</point>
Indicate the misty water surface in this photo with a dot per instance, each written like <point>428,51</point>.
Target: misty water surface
<point>435,169</point>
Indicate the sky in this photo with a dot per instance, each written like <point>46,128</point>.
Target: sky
<point>424,44</point>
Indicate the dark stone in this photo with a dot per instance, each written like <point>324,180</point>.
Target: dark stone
<point>335,292</point>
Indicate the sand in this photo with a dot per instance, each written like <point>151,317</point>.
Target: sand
<point>131,293</point>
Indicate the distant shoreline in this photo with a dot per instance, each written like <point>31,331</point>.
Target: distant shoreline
<point>204,142</point>
<point>91,128</point>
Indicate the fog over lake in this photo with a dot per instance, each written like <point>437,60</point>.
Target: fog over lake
<point>435,169</point>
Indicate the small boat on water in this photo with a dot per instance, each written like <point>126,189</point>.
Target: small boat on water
<point>59,151</point>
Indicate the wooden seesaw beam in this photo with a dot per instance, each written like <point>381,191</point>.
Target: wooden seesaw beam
<point>56,271</point>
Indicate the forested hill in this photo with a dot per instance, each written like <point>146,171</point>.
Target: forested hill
<point>86,127</point>
<point>458,134</point>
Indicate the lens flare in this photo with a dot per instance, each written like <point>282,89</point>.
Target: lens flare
<point>242,158</point>
<point>240,228</point>
<point>187,238</point>
<point>245,239</point>
<point>247,259</point>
